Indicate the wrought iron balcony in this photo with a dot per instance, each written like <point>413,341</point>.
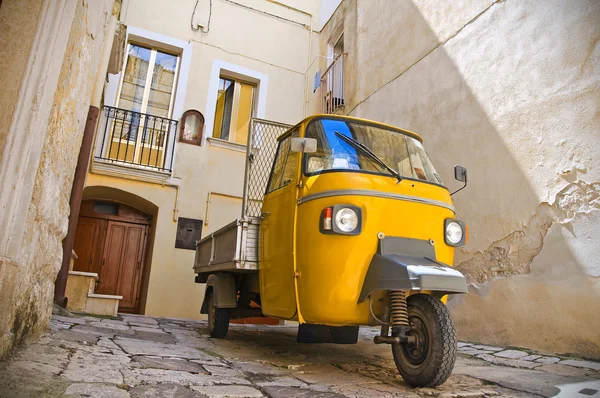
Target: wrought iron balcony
<point>332,86</point>
<point>136,139</point>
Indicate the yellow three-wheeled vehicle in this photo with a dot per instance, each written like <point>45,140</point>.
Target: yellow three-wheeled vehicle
<point>356,228</point>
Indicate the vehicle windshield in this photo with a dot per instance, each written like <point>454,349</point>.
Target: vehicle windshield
<point>401,152</point>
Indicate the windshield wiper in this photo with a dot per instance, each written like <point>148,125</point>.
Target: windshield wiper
<point>369,153</point>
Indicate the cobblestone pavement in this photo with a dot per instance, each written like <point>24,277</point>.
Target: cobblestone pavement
<point>138,356</point>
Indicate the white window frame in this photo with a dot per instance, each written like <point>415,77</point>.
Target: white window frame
<point>151,65</point>
<point>170,44</point>
<point>146,95</point>
<point>333,40</point>
<point>235,106</point>
<point>237,72</point>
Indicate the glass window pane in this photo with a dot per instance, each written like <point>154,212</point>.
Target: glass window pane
<point>278,165</point>
<point>163,80</point>
<point>134,80</point>
<point>223,109</point>
<point>397,150</point>
<point>291,165</point>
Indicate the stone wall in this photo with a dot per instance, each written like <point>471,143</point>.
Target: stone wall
<point>508,89</point>
<point>56,67</point>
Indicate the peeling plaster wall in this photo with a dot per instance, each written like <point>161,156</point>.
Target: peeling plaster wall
<point>27,279</point>
<point>508,89</point>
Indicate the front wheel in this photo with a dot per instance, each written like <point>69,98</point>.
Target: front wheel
<point>218,318</point>
<point>428,361</point>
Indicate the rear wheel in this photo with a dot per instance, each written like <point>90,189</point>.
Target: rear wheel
<point>218,319</point>
<point>429,360</point>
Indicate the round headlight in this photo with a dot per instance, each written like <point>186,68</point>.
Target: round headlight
<point>454,233</point>
<point>346,220</point>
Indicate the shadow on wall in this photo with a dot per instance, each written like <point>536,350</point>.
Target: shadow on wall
<point>493,98</point>
<point>117,195</point>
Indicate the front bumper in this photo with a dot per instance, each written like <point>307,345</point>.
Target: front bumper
<point>410,264</point>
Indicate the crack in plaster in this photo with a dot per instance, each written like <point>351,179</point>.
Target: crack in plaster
<point>513,254</point>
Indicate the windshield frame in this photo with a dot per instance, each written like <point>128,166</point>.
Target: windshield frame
<point>367,123</point>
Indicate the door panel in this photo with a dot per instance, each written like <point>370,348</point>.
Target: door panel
<point>277,290</point>
<point>131,266</point>
<point>123,256</point>
<point>86,244</point>
<point>111,262</point>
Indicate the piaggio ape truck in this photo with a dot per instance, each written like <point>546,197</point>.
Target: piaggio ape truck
<point>345,222</point>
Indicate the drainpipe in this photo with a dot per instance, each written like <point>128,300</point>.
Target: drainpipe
<point>83,160</point>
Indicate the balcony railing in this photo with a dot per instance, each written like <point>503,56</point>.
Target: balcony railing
<point>332,86</point>
<point>136,139</point>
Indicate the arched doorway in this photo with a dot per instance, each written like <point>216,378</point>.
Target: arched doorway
<point>111,241</point>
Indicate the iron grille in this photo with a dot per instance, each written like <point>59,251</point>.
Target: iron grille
<point>137,139</point>
<point>262,145</point>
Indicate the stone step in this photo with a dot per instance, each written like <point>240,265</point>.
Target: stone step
<point>102,304</point>
<point>79,286</point>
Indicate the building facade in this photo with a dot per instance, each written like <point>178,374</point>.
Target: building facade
<point>510,91</point>
<point>168,160</point>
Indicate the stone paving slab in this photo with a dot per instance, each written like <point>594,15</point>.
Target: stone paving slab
<point>295,392</point>
<point>582,364</point>
<point>164,390</point>
<point>228,391</point>
<point>169,364</point>
<point>95,390</point>
<point>148,329</point>
<point>515,363</point>
<point>142,347</point>
<point>511,354</point>
<point>487,347</point>
<point>100,368</point>
<point>548,360</point>
<point>153,376</point>
<point>282,381</point>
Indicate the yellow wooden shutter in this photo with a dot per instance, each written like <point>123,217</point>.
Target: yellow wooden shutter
<point>219,114</point>
<point>244,113</point>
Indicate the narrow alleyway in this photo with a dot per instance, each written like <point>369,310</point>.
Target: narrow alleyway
<point>139,356</point>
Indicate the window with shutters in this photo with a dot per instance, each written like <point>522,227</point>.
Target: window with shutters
<point>234,109</point>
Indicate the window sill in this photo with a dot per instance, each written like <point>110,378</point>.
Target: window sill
<point>226,144</point>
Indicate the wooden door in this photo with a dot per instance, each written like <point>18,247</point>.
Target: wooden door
<point>111,241</point>
<point>122,260</point>
<point>88,244</point>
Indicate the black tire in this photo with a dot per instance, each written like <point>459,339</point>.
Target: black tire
<point>430,363</point>
<point>218,319</point>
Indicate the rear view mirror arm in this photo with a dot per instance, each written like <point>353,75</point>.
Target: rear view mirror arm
<point>459,189</point>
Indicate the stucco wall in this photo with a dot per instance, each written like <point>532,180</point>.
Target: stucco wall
<point>27,276</point>
<point>510,90</point>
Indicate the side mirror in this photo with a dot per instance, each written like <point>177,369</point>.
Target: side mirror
<point>460,173</point>
<point>304,145</point>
